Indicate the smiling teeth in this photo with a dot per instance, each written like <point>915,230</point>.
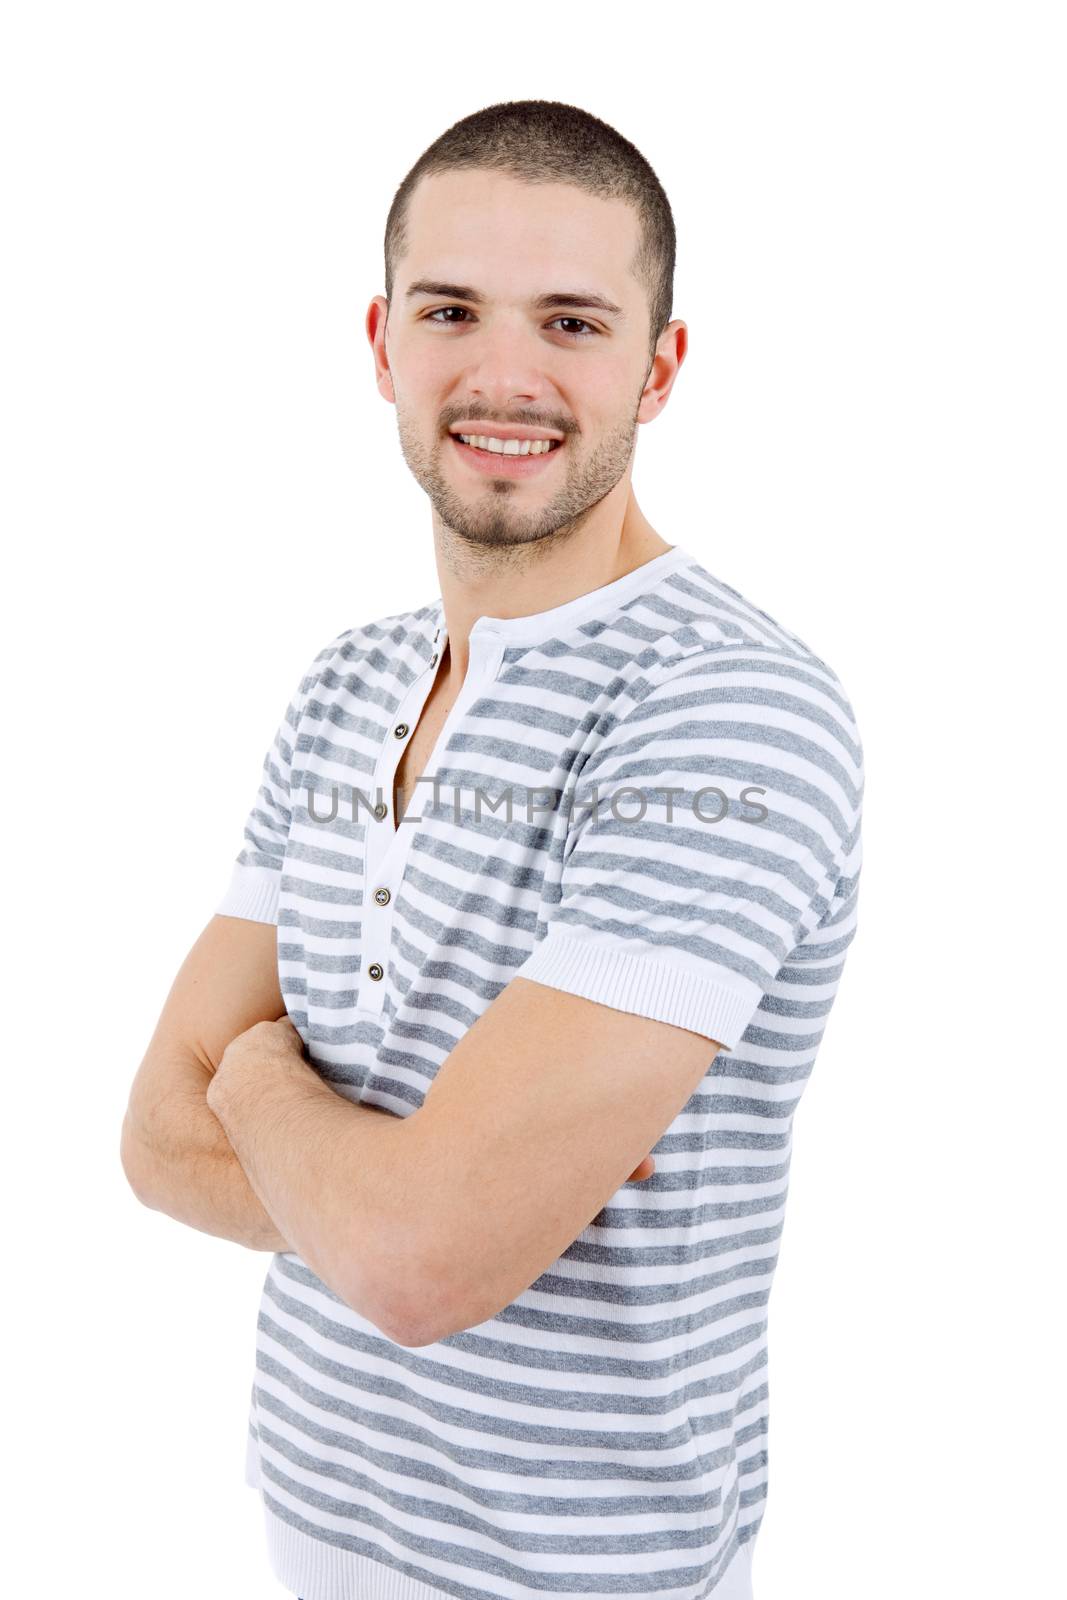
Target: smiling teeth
<point>508,447</point>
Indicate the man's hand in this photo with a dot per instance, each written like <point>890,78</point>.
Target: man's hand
<point>263,1046</point>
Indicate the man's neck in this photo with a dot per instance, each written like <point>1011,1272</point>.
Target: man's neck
<point>522,580</point>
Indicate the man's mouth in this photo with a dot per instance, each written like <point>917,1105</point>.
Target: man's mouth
<point>508,447</point>
<point>505,458</point>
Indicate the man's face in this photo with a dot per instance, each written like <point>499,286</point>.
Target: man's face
<point>569,368</point>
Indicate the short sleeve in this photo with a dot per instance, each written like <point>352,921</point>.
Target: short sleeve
<point>256,874</point>
<point>726,832</point>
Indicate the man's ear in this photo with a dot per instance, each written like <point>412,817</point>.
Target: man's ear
<point>375,324</point>
<point>671,347</point>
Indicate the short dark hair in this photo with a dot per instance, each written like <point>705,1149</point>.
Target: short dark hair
<point>546,141</point>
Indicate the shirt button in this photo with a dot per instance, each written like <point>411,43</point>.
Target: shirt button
<point>382,896</point>
<point>374,970</point>
<point>400,729</point>
<point>381,810</point>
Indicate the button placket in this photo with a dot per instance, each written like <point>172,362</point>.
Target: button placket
<point>385,850</point>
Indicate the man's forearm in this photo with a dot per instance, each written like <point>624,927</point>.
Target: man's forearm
<point>332,1174</point>
<point>190,1171</point>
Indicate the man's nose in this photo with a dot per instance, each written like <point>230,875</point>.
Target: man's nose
<point>507,368</point>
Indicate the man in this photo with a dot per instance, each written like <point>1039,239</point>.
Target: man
<point>544,875</point>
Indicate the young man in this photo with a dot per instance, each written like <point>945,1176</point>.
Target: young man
<point>544,874</point>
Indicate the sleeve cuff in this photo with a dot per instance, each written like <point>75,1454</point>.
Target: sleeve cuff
<point>646,985</point>
<point>253,893</point>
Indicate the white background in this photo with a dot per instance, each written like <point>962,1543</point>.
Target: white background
<point>202,486</point>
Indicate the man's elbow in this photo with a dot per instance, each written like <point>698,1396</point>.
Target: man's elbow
<point>417,1335</point>
<point>415,1304</point>
<point>416,1339</point>
<point>136,1162</point>
<point>422,1310</point>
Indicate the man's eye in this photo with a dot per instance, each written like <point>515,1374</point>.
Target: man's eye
<point>590,331</point>
<point>434,314</point>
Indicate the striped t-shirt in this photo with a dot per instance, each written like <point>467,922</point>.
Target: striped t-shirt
<point>649,796</point>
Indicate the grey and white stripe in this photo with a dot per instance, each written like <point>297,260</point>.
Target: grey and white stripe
<point>606,1434</point>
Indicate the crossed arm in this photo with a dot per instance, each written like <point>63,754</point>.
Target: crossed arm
<point>426,1224</point>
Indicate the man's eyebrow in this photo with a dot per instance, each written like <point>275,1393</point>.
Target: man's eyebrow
<point>584,300</point>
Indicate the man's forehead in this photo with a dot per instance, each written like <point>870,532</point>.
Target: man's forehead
<point>504,238</point>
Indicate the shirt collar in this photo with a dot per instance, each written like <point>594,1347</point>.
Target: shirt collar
<point>539,625</point>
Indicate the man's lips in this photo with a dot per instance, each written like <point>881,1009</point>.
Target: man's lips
<point>493,464</point>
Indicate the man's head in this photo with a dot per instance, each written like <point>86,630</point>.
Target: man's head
<point>529,260</point>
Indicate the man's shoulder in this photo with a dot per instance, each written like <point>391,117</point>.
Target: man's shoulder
<point>709,621</point>
<point>722,686</point>
<point>379,636</point>
<point>724,675</point>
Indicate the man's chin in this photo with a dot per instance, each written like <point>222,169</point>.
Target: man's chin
<point>495,536</point>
